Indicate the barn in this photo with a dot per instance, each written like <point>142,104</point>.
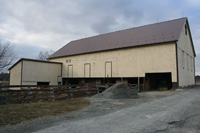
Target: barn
<point>155,56</point>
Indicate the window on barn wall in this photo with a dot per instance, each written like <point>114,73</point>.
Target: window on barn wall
<point>186,30</point>
<point>187,62</point>
<point>68,61</point>
<point>183,63</point>
<point>191,62</point>
<point>188,58</point>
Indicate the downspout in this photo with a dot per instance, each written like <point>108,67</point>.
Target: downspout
<point>21,71</point>
<point>177,71</point>
<point>194,70</point>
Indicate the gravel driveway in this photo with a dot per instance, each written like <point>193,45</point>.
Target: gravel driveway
<point>165,111</point>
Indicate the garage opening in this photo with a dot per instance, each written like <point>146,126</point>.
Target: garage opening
<point>158,81</point>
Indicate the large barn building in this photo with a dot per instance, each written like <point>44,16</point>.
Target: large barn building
<point>159,55</point>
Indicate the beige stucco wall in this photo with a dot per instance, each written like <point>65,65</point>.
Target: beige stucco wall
<point>15,74</point>
<point>34,72</point>
<point>185,59</point>
<point>130,62</point>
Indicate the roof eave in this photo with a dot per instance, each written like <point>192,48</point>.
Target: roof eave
<point>26,59</point>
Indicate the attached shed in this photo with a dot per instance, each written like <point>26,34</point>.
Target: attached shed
<point>35,72</point>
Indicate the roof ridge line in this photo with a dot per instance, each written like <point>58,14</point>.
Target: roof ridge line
<point>128,29</point>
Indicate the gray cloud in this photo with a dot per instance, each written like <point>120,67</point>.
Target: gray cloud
<point>24,51</point>
<point>50,24</point>
<point>104,25</point>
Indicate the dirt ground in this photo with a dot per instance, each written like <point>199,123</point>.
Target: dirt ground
<point>98,107</point>
<point>153,112</point>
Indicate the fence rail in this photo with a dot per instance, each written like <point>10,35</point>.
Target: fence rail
<point>30,93</point>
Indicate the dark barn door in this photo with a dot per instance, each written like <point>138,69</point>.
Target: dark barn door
<point>158,81</point>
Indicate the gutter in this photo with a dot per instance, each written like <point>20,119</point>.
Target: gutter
<point>177,70</point>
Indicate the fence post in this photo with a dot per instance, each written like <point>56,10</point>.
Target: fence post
<point>88,91</point>
<point>70,91</point>
<point>52,94</point>
<point>5,96</point>
<point>97,86</point>
<point>29,95</point>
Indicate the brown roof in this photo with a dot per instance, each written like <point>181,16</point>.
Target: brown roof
<point>168,31</point>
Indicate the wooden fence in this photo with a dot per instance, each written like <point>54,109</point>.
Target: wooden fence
<point>27,93</point>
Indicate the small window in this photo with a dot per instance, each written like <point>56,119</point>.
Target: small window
<point>186,30</point>
<point>68,60</point>
<point>42,83</point>
<point>187,61</point>
<point>183,60</point>
<point>191,62</point>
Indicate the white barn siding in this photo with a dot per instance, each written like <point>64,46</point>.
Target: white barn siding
<point>34,72</point>
<point>129,62</point>
<point>15,74</point>
<point>185,59</point>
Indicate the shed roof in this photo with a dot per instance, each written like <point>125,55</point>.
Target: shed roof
<point>168,31</point>
<point>33,60</point>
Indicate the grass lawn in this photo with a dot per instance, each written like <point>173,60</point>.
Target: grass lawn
<point>15,113</point>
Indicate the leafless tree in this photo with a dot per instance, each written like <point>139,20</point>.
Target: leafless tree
<point>7,55</point>
<point>44,55</point>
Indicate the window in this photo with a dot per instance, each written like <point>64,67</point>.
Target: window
<point>191,63</point>
<point>186,30</point>
<point>68,61</point>
<point>183,61</point>
<point>187,61</point>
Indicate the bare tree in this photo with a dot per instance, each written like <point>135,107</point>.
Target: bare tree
<point>7,55</point>
<point>44,55</point>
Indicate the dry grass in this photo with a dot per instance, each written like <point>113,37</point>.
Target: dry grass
<point>16,113</point>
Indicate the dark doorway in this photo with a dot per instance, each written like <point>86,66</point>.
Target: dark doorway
<point>158,81</point>
<point>67,81</point>
<point>90,80</point>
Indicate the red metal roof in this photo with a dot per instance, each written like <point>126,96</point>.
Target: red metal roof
<point>168,31</point>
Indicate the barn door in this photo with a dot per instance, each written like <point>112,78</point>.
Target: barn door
<point>87,70</point>
<point>108,69</point>
<point>70,71</point>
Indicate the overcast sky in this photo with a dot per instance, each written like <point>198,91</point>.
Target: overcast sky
<point>41,25</point>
